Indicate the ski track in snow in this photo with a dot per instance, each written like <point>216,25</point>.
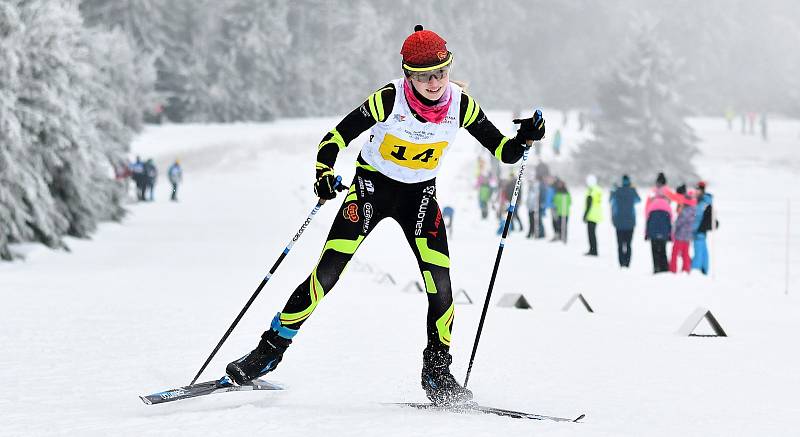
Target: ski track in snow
<point>138,308</point>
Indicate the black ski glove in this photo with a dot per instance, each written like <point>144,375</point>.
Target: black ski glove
<point>530,129</point>
<point>325,186</point>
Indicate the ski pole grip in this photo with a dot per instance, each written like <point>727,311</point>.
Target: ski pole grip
<point>339,186</point>
<point>537,115</point>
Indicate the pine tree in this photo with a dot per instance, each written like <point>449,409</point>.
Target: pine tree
<point>241,48</point>
<point>165,30</point>
<point>63,122</point>
<point>641,128</point>
<point>339,55</point>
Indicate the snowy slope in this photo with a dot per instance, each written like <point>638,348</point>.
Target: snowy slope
<point>139,308</point>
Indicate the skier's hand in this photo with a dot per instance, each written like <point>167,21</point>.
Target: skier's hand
<point>326,184</point>
<point>530,129</point>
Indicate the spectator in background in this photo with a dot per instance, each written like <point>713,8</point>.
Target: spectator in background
<point>557,142</point>
<point>763,122</point>
<point>122,171</point>
<point>139,178</point>
<point>729,116</point>
<point>484,194</point>
<point>544,202</point>
<point>684,227</point>
<point>542,170</point>
<point>447,215</point>
<point>592,214</point>
<point>150,176</point>
<point>702,224</point>
<point>623,216</point>
<point>508,192</point>
<point>658,228</point>
<point>561,204</point>
<point>533,202</point>
<point>175,175</point>
<point>548,191</point>
<point>122,174</point>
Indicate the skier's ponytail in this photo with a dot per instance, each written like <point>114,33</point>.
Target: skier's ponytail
<point>464,85</point>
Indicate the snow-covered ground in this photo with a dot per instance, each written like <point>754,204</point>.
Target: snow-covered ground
<point>137,309</point>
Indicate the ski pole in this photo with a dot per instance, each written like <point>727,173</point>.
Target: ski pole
<point>320,202</point>
<point>536,116</point>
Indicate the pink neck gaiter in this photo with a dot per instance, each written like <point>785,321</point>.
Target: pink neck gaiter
<point>432,114</point>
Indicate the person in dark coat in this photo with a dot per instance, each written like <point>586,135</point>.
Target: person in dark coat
<point>623,216</point>
<point>507,193</point>
<point>562,201</point>
<point>150,176</point>
<point>533,203</point>
<point>658,212</point>
<point>138,175</point>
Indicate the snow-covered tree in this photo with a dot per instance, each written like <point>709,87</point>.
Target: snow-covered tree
<point>339,54</point>
<point>164,29</point>
<point>640,129</point>
<point>240,51</point>
<point>216,61</point>
<point>65,117</point>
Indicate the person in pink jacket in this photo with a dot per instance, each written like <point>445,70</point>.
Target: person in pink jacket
<point>658,223</point>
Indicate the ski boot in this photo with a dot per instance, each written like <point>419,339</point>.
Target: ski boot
<point>261,360</point>
<point>439,384</point>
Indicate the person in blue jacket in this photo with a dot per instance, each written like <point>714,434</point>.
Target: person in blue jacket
<point>623,216</point>
<point>175,175</point>
<point>548,190</point>
<point>702,225</point>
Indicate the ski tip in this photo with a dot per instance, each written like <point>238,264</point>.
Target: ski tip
<point>577,419</point>
<point>145,400</point>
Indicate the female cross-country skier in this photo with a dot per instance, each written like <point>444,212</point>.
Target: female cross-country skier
<point>413,121</point>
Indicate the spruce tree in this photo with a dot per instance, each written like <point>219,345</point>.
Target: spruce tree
<point>338,56</point>
<point>165,30</point>
<point>640,129</point>
<point>241,50</point>
<point>66,117</point>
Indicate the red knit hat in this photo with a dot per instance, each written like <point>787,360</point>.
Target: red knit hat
<point>425,50</point>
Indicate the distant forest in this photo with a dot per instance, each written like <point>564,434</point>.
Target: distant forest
<point>77,79</point>
<point>260,59</point>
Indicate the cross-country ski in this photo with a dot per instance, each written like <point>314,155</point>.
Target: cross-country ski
<point>473,407</point>
<point>221,385</point>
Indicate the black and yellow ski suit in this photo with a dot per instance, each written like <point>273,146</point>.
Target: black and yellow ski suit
<point>373,196</point>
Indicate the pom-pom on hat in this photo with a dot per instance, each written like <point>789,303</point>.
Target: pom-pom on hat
<point>425,50</point>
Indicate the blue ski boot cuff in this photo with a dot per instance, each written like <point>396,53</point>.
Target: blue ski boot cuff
<point>281,330</point>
